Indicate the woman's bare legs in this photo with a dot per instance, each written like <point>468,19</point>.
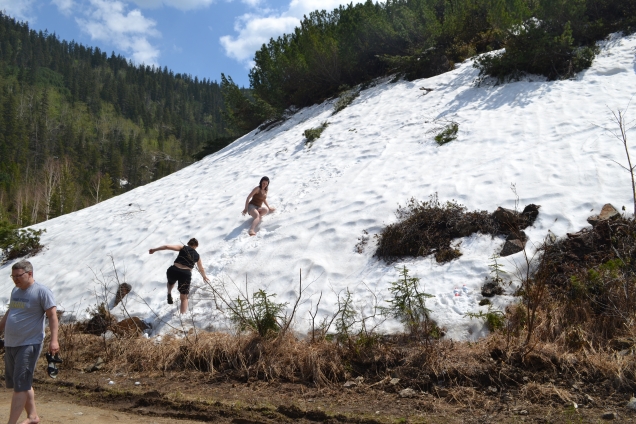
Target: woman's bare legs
<point>257,214</point>
<point>184,303</point>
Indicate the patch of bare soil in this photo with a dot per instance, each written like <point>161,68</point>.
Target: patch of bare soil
<point>205,397</point>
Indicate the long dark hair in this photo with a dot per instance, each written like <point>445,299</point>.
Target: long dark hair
<point>260,184</point>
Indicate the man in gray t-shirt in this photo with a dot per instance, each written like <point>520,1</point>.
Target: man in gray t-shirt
<point>23,327</point>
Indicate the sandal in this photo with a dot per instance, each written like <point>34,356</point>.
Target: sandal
<point>170,302</point>
<point>53,360</point>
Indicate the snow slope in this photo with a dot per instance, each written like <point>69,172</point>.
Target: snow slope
<point>544,137</point>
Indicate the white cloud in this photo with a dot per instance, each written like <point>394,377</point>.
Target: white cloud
<point>254,30</point>
<point>178,4</point>
<point>64,6</point>
<point>109,21</point>
<point>17,8</point>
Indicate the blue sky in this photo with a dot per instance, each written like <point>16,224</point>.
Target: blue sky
<point>199,37</point>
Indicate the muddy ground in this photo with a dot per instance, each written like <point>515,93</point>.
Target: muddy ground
<point>195,397</point>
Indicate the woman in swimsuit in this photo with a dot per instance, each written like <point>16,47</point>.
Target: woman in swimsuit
<point>254,204</point>
<point>181,271</point>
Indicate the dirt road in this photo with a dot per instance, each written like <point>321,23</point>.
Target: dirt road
<point>54,409</point>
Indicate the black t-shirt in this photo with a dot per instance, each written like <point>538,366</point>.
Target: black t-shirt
<point>187,256</point>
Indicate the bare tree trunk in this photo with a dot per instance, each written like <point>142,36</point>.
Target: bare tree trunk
<point>51,171</point>
<point>95,184</point>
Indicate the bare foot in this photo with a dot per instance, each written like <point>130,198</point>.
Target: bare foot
<point>252,233</point>
<point>34,420</point>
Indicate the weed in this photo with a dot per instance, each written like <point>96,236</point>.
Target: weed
<point>363,240</point>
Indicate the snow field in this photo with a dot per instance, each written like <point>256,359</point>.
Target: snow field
<point>543,137</point>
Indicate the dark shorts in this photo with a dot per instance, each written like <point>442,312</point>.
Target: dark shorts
<point>183,276</point>
<point>19,365</point>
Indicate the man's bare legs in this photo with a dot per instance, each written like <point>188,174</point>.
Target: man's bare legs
<point>257,214</point>
<point>23,401</point>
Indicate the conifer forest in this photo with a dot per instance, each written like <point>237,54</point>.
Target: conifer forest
<point>79,126</point>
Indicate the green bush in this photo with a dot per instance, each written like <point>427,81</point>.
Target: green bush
<point>536,50</point>
<point>408,303</point>
<point>448,134</point>
<point>260,313</point>
<point>16,243</point>
<point>345,100</point>
<point>314,133</point>
<point>494,320</point>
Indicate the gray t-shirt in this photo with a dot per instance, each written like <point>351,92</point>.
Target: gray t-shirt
<point>25,322</point>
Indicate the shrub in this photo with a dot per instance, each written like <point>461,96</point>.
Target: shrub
<point>448,134</point>
<point>494,320</point>
<point>534,49</point>
<point>314,133</point>
<point>345,100</point>
<point>421,63</point>
<point>346,316</point>
<point>259,314</point>
<point>589,278</point>
<point>16,243</point>
<point>408,303</point>
<point>426,228</point>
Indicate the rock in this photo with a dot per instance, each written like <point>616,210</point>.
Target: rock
<point>517,235</point>
<point>589,399</point>
<point>359,379</point>
<point>530,214</point>
<point>506,218</point>
<point>407,393</point>
<point>394,381</point>
<point>491,289</point>
<point>608,212</point>
<point>350,383</point>
<point>130,326</point>
<point>632,404</point>
<point>483,302</point>
<point>122,291</point>
<point>492,389</point>
<point>523,412</point>
<point>512,246</point>
<point>96,366</point>
<point>609,415</point>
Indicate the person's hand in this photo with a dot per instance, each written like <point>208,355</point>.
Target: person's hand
<point>151,251</point>
<point>244,212</point>
<point>54,347</point>
<point>206,279</point>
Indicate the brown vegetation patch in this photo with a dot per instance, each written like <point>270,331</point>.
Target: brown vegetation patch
<point>591,279</point>
<point>429,228</point>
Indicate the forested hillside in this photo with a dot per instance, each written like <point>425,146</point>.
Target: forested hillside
<point>331,52</point>
<point>78,126</point>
